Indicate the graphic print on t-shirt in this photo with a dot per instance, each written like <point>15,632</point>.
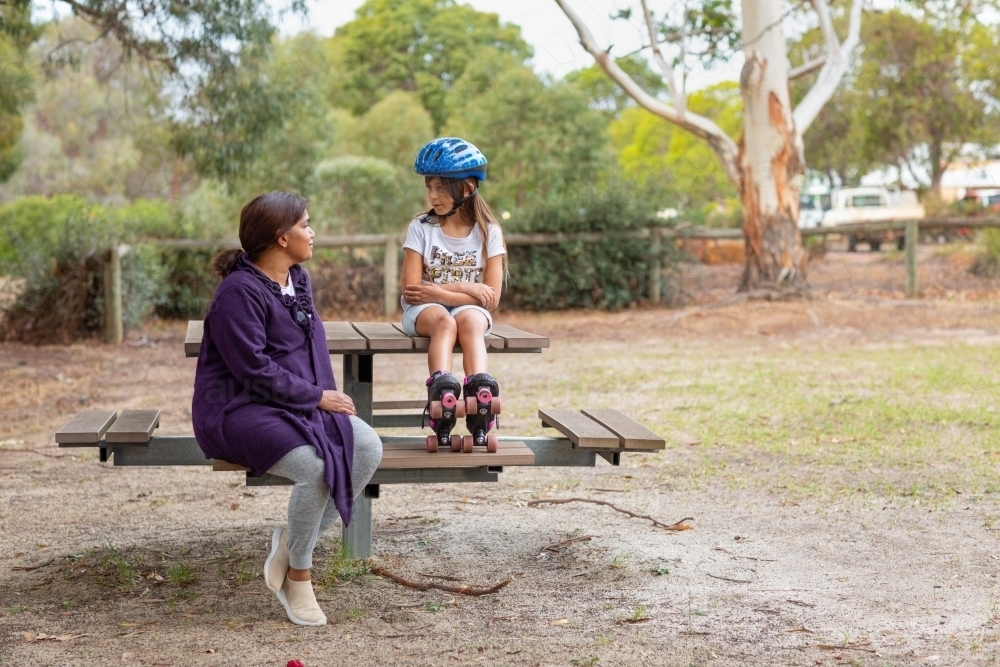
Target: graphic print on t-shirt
<point>458,267</point>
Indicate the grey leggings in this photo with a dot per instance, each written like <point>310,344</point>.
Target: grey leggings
<point>310,509</point>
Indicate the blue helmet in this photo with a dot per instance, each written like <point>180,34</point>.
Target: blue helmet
<point>451,157</point>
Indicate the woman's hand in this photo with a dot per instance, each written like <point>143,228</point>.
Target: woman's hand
<point>416,295</point>
<point>337,401</point>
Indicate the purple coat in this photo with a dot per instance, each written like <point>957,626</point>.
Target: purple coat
<point>262,369</point>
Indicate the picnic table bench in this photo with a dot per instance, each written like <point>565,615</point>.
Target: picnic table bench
<point>127,439</point>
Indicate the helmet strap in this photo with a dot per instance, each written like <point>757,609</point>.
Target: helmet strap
<point>459,202</point>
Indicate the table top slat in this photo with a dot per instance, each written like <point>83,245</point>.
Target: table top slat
<point>383,336</point>
<point>582,430</point>
<point>369,337</point>
<point>86,426</point>
<point>516,339</point>
<point>133,426</point>
<point>342,336</point>
<point>422,342</point>
<point>632,434</point>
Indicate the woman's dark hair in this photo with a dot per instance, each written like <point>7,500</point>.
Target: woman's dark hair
<point>262,222</point>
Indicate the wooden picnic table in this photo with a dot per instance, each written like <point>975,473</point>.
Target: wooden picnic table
<point>583,434</point>
<point>359,342</point>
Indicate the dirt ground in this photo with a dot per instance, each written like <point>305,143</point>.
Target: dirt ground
<point>110,566</point>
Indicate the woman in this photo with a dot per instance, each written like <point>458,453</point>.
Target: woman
<point>265,396</point>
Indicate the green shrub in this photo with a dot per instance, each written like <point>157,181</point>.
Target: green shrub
<point>609,274</point>
<point>363,195</point>
<point>57,249</point>
<point>987,262</point>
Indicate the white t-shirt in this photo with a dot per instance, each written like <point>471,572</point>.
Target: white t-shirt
<point>288,289</point>
<point>452,260</point>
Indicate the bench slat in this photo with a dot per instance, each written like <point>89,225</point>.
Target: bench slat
<point>414,404</point>
<point>583,431</point>
<point>631,434</point>
<point>192,340</point>
<point>218,465</point>
<point>86,427</point>
<point>517,339</point>
<point>510,453</point>
<point>383,336</point>
<point>342,336</point>
<point>415,456</point>
<point>133,426</point>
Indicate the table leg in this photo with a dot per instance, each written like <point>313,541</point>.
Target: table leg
<point>357,383</point>
<point>356,538</point>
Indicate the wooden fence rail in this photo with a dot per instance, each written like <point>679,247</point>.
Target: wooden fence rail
<point>656,235</point>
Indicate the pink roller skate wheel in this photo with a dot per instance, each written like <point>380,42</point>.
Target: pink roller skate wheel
<point>484,395</point>
<point>449,400</point>
<point>495,406</point>
<point>432,443</point>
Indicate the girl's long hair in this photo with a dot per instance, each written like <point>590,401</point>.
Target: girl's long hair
<point>262,222</point>
<point>474,210</point>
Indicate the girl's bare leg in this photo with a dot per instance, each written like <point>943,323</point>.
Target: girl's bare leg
<point>438,325</point>
<point>472,326</point>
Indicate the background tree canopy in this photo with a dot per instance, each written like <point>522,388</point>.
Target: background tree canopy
<point>121,112</point>
<point>922,94</point>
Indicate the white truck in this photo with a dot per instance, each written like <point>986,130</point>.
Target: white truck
<point>821,208</point>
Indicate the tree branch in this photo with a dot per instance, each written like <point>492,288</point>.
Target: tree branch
<point>461,590</point>
<point>807,68</point>
<point>679,100</point>
<point>723,145</point>
<point>838,57</point>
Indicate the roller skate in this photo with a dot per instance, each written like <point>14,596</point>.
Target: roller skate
<point>444,407</point>
<point>482,404</point>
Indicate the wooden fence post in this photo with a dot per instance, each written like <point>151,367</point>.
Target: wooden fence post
<point>390,277</point>
<point>655,264</point>
<point>114,332</point>
<point>911,238</point>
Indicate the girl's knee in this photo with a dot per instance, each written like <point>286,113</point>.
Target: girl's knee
<point>445,324</point>
<point>472,323</point>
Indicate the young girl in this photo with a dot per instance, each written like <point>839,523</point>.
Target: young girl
<point>453,269</point>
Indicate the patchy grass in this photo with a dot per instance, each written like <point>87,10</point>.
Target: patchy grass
<point>180,574</point>
<point>905,421</point>
<point>341,569</point>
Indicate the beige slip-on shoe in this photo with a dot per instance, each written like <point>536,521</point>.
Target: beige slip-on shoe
<point>300,604</point>
<point>276,565</point>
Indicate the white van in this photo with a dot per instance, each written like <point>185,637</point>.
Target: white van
<point>866,204</point>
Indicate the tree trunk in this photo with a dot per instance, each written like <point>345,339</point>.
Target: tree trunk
<point>937,165</point>
<point>770,157</point>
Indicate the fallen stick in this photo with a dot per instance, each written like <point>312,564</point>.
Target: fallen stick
<point>557,545</point>
<point>676,526</point>
<point>29,568</point>
<point>735,581</point>
<point>461,590</point>
<point>438,576</point>
<point>35,451</point>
